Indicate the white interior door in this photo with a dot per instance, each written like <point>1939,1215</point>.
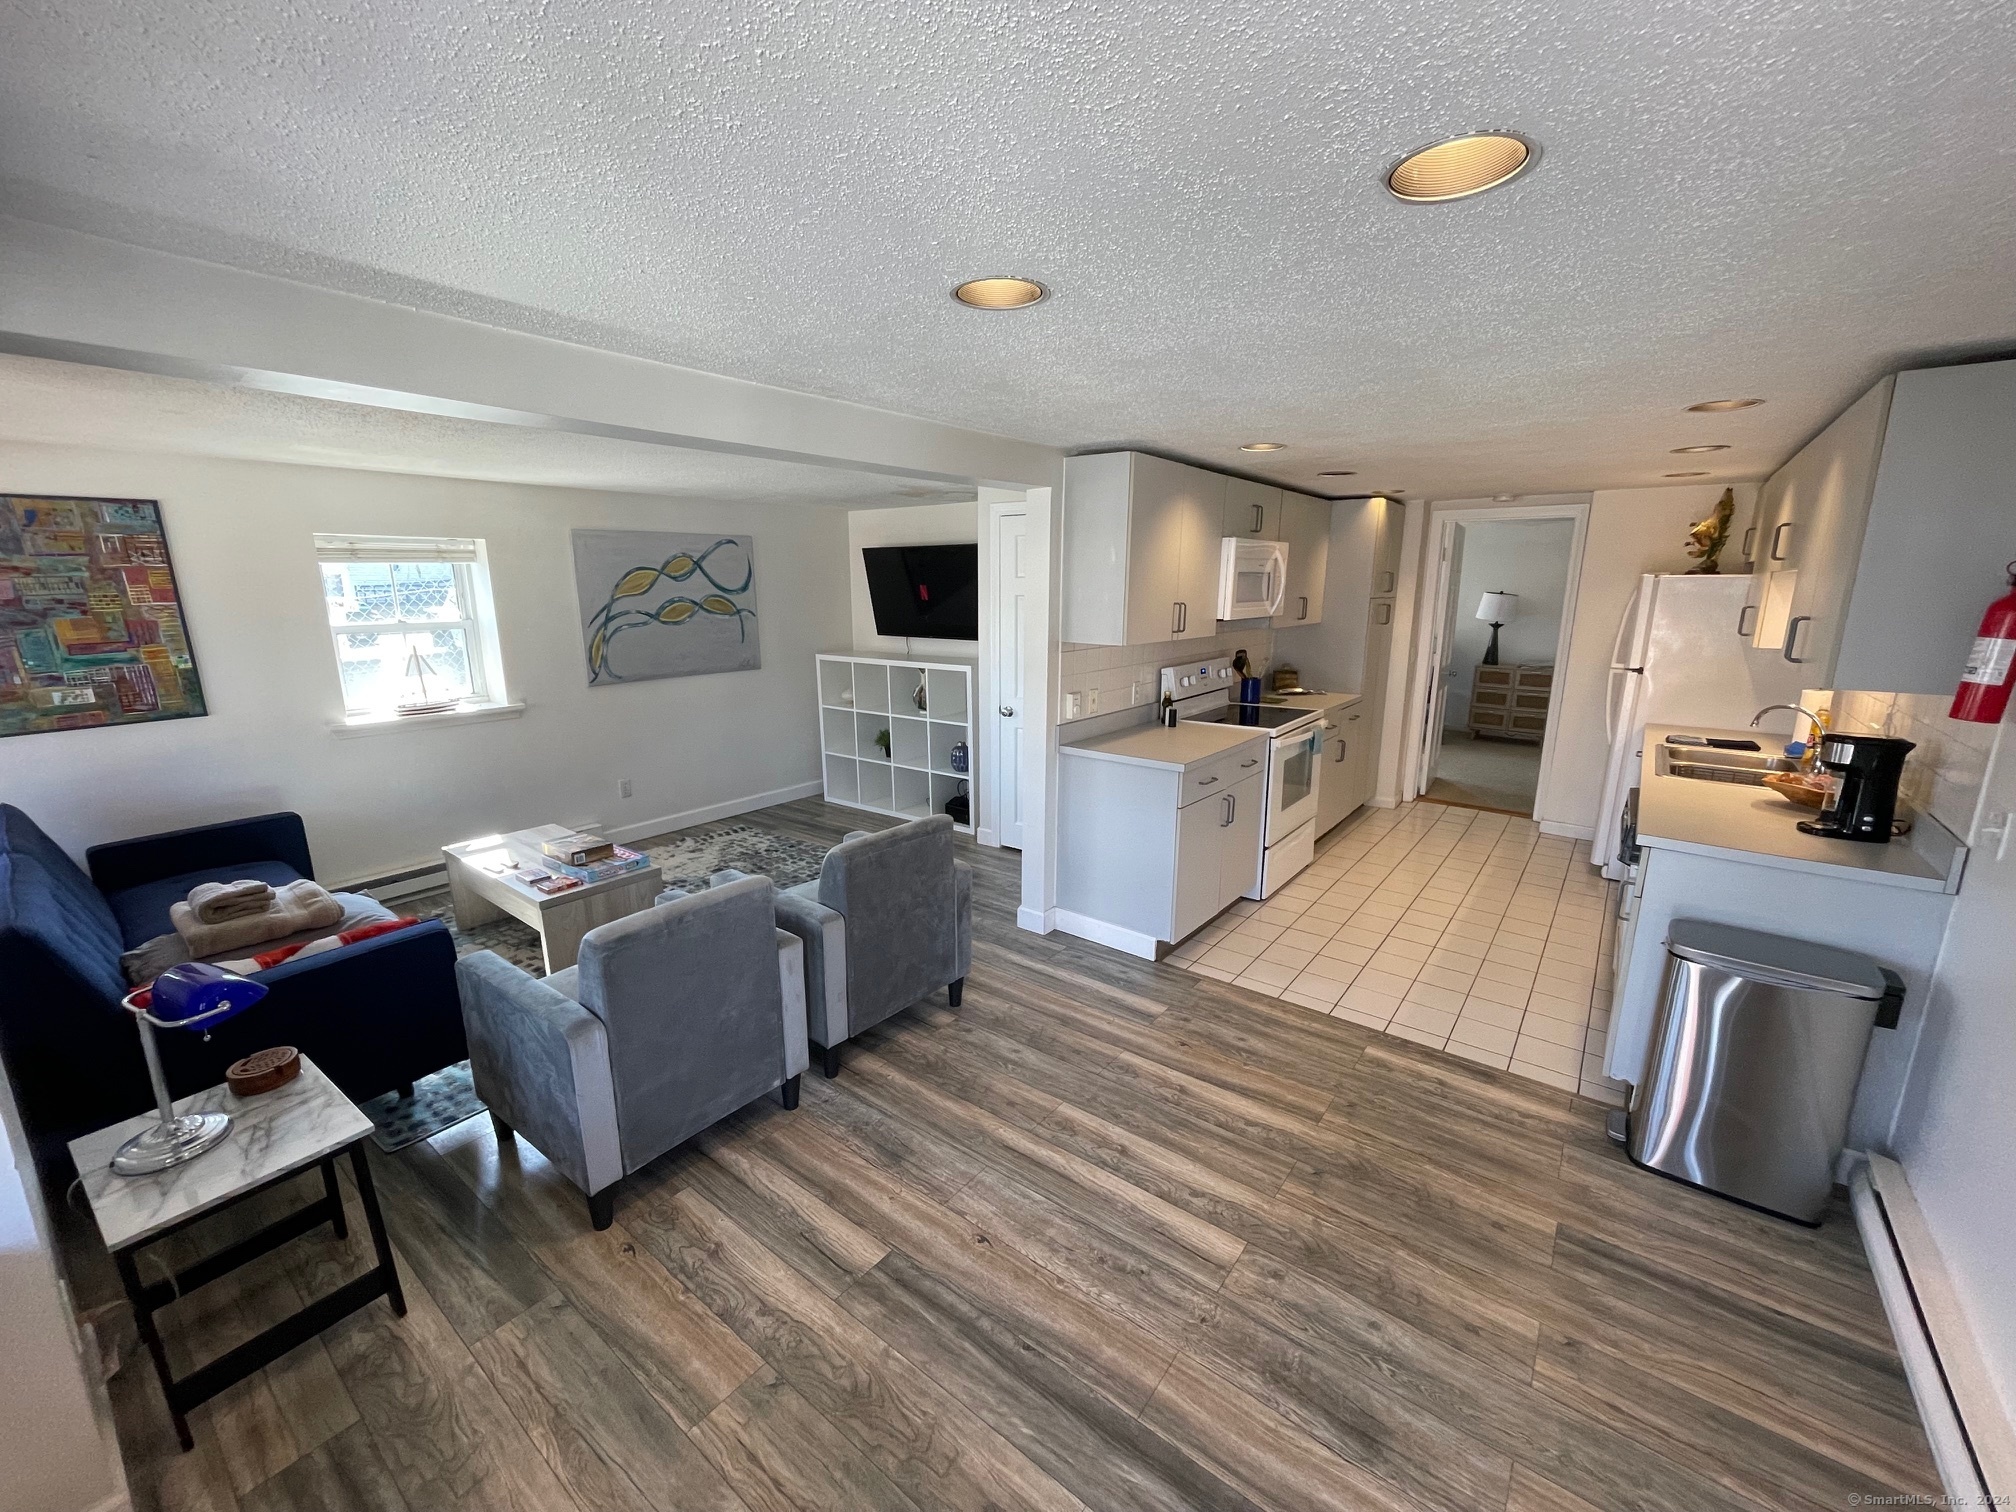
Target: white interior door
<point>1010,607</point>
<point>1449,575</point>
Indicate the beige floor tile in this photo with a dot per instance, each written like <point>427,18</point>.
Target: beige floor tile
<point>1497,1060</point>
<point>1552,1006</point>
<point>1357,1016</point>
<point>1287,955</point>
<point>1361,934</point>
<point>1499,992</point>
<point>1531,1072</point>
<point>1505,971</point>
<point>1423,935</point>
<point>1221,958</point>
<point>1554,1031</point>
<point>1414,954</point>
<point>1362,999</point>
<point>1501,1014</point>
<point>1321,989</point>
<point>1304,939</point>
<point>1539,1052</point>
<point>1304,1000</point>
<point>1241,945</point>
<point>1253,929</point>
<point>1448,999</point>
<point>1457,942</point>
<point>1389,983</point>
<point>1447,976</point>
<point>1598,1092</point>
<point>1274,973</point>
<point>1492,1037</point>
<point>1421,1016</point>
<point>1419,1036</point>
<point>1341,972</point>
<point>1219,973</point>
<point>1344,950</point>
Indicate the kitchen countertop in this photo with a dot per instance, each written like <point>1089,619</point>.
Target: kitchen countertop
<point>1311,700</point>
<point>1754,824</point>
<point>1158,746</point>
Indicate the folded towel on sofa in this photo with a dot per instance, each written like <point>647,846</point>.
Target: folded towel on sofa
<point>295,906</point>
<point>215,902</point>
<point>146,961</point>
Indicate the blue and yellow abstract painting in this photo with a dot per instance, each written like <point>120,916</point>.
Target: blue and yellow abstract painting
<point>663,604</point>
<point>91,628</point>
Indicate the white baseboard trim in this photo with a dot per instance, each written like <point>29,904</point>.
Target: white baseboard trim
<point>1101,933</point>
<point>1036,920</point>
<point>665,823</point>
<point>1973,1441</point>
<point>1382,801</point>
<point>1569,831</point>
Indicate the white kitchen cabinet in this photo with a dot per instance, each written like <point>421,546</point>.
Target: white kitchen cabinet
<point>1149,851</point>
<point>1305,526</point>
<point>1388,519</point>
<point>1347,768</point>
<point>1252,510</point>
<point>1879,544</point>
<point>1141,552</point>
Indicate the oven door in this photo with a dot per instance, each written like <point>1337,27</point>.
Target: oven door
<point>1252,578</point>
<point>1295,765</point>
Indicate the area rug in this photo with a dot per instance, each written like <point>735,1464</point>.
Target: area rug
<point>440,1101</point>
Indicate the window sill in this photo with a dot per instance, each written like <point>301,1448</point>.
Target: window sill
<point>385,724</point>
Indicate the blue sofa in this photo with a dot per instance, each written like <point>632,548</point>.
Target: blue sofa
<point>374,1016</point>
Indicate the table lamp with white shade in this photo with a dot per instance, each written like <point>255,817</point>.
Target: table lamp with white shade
<point>1497,610</point>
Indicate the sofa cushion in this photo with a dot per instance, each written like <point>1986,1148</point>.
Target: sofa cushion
<point>47,903</point>
<point>142,911</point>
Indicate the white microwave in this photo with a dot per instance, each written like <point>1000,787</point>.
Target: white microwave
<point>1252,577</point>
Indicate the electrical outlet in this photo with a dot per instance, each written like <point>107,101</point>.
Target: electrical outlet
<point>1092,701</point>
<point>622,787</point>
<point>1133,693</point>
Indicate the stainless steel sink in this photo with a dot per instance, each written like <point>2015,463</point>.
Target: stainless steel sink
<point>1706,764</point>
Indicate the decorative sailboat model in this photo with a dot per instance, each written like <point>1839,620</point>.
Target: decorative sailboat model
<point>417,668</point>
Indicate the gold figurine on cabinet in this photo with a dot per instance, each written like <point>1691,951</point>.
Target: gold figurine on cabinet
<point>1709,536</point>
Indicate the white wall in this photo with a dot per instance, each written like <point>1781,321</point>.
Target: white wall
<point>1956,1133</point>
<point>239,535</point>
<point>922,525</point>
<point>1632,531</point>
<point>1526,557</point>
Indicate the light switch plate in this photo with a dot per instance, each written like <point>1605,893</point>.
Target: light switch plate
<point>1070,705</point>
<point>1092,701</point>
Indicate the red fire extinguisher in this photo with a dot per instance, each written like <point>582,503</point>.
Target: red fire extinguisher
<point>1991,665</point>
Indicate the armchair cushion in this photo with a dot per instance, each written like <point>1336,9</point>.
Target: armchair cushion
<point>540,1061</point>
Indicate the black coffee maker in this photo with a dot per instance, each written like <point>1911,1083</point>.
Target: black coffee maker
<point>1865,770</point>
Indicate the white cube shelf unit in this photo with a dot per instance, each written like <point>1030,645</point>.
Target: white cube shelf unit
<point>860,697</point>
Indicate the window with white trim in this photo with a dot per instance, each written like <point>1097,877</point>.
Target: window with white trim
<point>412,624</point>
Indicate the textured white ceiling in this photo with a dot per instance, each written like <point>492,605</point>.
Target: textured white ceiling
<point>66,404</point>
<point>1763,197</point>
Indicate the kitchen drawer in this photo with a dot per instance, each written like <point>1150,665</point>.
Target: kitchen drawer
<point>1209,778</point>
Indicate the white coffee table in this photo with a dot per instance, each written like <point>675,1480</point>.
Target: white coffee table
<point>482,893</point>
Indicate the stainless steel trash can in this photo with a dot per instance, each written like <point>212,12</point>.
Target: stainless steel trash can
<point>1753,1064</point>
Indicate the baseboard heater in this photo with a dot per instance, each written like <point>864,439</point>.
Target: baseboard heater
<point>1972,1441</point>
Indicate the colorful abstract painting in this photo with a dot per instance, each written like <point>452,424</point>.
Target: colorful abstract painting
<point>91,629</point>
<point>659,604</point>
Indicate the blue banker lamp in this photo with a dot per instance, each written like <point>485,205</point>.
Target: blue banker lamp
<point>190,996</point>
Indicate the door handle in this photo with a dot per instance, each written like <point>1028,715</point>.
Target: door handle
<point>1749,541</point>
<point>1006,712</point>
<point>1259,518</point>
<point>1778,540</point>
<point>1742,614</point>
<point>1792,636</point>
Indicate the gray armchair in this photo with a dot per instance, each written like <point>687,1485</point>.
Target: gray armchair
<point>889,920</point>
<point>672,1019</point>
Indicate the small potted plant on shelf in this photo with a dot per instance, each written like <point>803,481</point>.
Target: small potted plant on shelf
<point>882,741</point>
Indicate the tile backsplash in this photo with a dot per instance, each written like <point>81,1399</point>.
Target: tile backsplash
<point>1127,676</point>
<point>1943,776</point>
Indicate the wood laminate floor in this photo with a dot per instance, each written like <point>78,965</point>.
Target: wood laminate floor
<point>1111,1235</point>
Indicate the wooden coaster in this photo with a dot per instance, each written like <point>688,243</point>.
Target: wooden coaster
<point>263,1070</point>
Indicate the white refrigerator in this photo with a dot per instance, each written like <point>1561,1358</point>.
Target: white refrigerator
<point>1678,660</point>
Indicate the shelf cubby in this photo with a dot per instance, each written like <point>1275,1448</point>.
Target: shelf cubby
<point>861,696</point>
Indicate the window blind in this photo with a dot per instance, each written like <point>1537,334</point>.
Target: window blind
<point>366,548</point>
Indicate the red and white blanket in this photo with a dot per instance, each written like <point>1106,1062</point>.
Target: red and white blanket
<point>268,959</point>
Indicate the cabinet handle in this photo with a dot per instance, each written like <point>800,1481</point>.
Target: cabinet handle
<point>1185,608</point>
<point>1792,636</point>
<point>1175,619</point>
<point>1778,541</point>
<point>1342,747</point>
<point>1206,781</point>
<point>1304,598</point>
<point>1742,615</point>
<point>1259,518</point>
<point>1253,763</point>
<point>1385,614</point>
<point>1749,542</point>
<point>1389,580</point>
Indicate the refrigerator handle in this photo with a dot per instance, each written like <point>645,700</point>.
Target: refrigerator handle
<point>1614,705</point>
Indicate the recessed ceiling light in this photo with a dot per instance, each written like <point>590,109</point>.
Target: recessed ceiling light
<point>1716,406</point>
<point>1265,446</point>
<point>999,293</point>
<point>1688,451</point>
<point>1460,167</point>
<point>1687,475</point>
<point>1343,474</point>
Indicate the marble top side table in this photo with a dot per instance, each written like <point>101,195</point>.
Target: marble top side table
<point>274,1136</point>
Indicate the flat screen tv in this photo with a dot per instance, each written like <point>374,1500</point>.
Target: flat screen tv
<point>925,592</point>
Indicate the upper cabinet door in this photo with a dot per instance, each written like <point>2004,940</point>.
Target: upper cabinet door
<point>1305,526</point>
<point>1252,510</point>
<point>1172,578</point>
<point>1386,548</point>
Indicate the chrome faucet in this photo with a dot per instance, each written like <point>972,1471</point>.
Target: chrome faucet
<point>1818,728</point>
